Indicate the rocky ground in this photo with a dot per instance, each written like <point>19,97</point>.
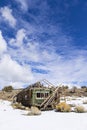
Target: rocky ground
<point>8,95</point>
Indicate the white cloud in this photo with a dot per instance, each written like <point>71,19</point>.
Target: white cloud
<point>6,13</point>
<point>61,68</point>
<point>65,71</point>
<point>20,36</point>
<point>24,4</point>
<point>11,71</point>
<point>31,51</point>
<point>3,44</point>
<point>67,68</point>
<point>28,51</point>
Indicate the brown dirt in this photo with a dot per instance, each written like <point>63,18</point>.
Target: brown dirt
<point>8,95</point>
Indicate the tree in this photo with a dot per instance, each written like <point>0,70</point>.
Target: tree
<point>7,89</point>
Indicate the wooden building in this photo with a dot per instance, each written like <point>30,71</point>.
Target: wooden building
<point>38,95</point>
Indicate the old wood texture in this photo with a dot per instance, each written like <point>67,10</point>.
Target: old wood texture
<point>41,95</point>
<point>50,100</point>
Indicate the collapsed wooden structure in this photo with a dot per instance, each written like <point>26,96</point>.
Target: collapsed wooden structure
<point>43,96</point>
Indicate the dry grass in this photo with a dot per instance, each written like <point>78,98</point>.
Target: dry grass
<point>34,111</point>
<point>17,105</point>
<point>79,109</point>
<point>63,107</point>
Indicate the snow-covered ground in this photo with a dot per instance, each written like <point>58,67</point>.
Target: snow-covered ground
<point>13,119</point>
<point>76,101</point>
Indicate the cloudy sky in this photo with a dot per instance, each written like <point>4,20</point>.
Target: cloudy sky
<point>43,39</point>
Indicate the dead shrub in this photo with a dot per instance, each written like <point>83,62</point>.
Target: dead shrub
<point>17,105</point>
<point>63,107</point>
<point>27,108</point>
<point>34,111</point>
<point>79,109</point>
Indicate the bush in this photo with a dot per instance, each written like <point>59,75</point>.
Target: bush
<point>7,89</point>
<point>63,107</point>
<point>83,86</point>
<point>17,105</point>
<point>34,111</point>
<point>79,109</point>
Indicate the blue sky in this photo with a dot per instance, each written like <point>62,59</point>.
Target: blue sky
<point>43,40</point>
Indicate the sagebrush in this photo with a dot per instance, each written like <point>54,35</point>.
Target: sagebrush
<point>79,109</point>
<point>63,107</point>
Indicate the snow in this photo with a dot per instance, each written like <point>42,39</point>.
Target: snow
<point>14,119</point>
<point>77,101</point>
